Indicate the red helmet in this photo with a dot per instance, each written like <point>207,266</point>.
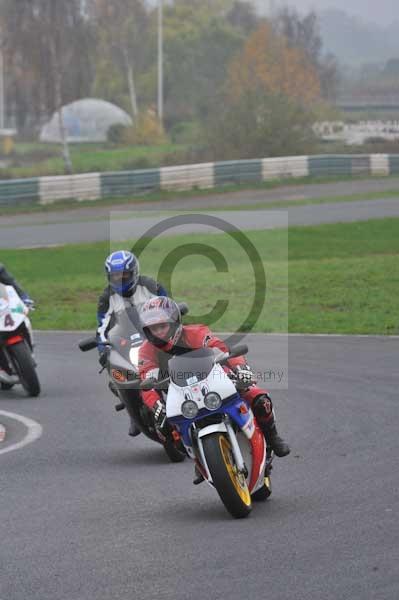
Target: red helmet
<point>157,311</point>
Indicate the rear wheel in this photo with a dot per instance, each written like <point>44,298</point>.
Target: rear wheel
<point>264,492</point>
<point>229,483</point>
<point>24,365</point>
<point>4,366</point>
<point>6,386</point>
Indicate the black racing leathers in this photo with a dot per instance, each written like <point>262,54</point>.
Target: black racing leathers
<point>7,279</point>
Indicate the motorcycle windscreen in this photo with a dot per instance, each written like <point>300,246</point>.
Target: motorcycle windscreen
<point>3,297</point>
<point>192,367</point>
<point>126,323</point>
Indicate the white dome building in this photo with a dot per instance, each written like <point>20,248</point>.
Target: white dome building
<point>86,120</point>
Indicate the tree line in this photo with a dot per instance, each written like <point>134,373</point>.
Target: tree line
<point>221,61</point>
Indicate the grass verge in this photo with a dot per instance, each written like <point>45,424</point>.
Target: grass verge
<point>35,160</point>
<point>343,278</point>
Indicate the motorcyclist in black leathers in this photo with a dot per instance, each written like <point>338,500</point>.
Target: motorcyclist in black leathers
<point>7,279</point>
<point>126,288</point>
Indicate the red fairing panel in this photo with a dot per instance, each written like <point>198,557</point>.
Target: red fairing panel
<point>258,456</point>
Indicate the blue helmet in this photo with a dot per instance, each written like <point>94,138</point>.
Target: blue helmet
<point>123,272</point>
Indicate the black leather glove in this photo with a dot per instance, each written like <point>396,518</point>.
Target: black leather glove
<point>244,374</point>
<point>28,302</point>
<point>159,415</point>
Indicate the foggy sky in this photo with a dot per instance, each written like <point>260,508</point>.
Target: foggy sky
<point>382,12</point>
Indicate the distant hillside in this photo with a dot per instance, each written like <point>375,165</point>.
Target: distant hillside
<point>355,41</point>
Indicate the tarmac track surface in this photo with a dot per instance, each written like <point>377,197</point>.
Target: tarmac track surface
<point>88,513</point>
<point>95,224</point>
<point>224,200</point>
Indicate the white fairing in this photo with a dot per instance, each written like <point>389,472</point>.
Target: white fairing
<point>13,311</point>
<point>217,381</point>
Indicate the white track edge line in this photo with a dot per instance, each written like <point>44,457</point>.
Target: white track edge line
<point>35,431</point>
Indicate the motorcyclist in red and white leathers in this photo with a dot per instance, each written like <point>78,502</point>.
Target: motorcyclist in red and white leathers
<point>166,337</point>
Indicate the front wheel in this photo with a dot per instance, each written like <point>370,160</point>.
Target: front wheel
<point>24,365</point>
<point>229,483</point>
<point>174,454</point>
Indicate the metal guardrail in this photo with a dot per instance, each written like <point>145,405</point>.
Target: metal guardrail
<point>92,186</point>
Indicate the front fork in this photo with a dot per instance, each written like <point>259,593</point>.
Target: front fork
<point>224,427</point>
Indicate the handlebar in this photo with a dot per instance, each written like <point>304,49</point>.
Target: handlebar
<point>154,384</point>
<point>88,344</point>
<point>159,384</point>
<point>238,351</point>
<point>91,343</point>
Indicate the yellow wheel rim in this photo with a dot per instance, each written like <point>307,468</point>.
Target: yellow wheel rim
<point>237,478</point>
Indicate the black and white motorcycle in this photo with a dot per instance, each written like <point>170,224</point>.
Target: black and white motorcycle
<point>17,363</point>
<point>123,343</point>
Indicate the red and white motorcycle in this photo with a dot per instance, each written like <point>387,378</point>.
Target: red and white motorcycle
<point>17,363</point>
<point>217,427</point>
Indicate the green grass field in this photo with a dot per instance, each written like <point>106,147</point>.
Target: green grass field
<point>343,278</point>
<point>39,159</point>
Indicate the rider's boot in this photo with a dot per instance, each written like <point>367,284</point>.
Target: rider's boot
<point>113,388</point>
<point>134,431</point>
<point>263,409</point>
<point>277,444</point>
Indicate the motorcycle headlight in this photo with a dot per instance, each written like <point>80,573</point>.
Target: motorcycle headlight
<point>212,401</point>
<point>189,409</point>
<point>134,356</point>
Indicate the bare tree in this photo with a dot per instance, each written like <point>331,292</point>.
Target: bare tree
<point>122,25</point>
<point>31,41</point>
<point>55,27</point>
<point>303,32</point>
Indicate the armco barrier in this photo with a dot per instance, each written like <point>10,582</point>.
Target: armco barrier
<point>21,191</point>
<point>91,186</point>
<point>284,168</point>
<point>238,171</point>
<point>379,164</point>
<point>128,183</point>
<point>393,164</point>
<point>188,176</point>
<point>81,187</point>
<point>330,165</point>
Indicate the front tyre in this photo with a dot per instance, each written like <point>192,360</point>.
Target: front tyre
<point>174,454</point>
<point>24,365</point>
<point>229,483</point>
